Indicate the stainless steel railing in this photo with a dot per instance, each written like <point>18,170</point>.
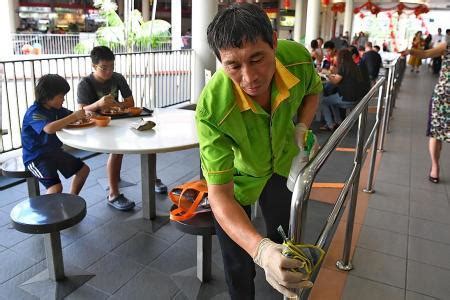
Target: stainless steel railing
<point>306,177</point>
<point>157,79</point>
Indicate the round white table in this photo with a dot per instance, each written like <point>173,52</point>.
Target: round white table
<point>175,130</point>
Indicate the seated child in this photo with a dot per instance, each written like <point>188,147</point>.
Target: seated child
<point>42,151</point>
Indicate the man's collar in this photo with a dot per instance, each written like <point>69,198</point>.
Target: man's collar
<point>284,80</point>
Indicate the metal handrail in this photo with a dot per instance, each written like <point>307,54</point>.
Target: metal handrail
<point>306,177</point>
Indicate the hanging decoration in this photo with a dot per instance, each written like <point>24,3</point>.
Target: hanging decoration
<point>325,2</point>
<point>287,4</point>
<point>375,9</point>
<point>392,32</point>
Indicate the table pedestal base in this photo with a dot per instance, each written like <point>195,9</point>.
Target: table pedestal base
<point>43,287</point>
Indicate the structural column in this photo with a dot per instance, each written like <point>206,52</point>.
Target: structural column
<point>145,10</point>
<point>8,25</point>
<point>300,19</point>
<point>348,18</point>
<point>312,21</point>
<point>120,7</point>
<point>204,57</point>
<point>176,24</point>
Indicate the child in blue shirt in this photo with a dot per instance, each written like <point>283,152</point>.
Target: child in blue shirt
<point>42,151</point>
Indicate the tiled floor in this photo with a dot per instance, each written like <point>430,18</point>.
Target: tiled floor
<point>404,245</point>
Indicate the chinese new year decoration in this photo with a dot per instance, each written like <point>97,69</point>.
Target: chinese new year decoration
<point>375,9</point>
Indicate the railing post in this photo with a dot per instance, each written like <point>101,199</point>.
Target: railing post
<point>386,110</point>
<point>345,264</point>
<point>373,151</point>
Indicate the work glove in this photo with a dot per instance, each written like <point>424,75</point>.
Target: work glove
<point>308,146</point>
<point>278,268</point>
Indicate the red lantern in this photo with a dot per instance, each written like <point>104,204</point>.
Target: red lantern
<point>325,2</point>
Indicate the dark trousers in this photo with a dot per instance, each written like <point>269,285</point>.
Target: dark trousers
<point>275,203</point>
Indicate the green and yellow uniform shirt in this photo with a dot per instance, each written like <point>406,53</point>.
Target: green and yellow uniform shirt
<point>238,139</point>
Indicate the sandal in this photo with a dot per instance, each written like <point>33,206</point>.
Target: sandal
<point>121,203</point>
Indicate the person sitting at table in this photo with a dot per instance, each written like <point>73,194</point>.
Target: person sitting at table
<point>41,149</point>
<point>352,85</point>
<point>330,55</point>
<point>99,91</point>
<point>316,54</point>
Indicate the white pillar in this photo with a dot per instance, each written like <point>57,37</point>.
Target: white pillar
<point>176,24</point>
<point>312,21</point>
<point>300,19</point>
<point>7,27</point>
<point>348,18</point>
<point>204,56</point>
<point>145,10</point>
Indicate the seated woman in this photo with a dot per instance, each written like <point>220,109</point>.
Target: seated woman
<point>352,85</point>
<point>316,54</point>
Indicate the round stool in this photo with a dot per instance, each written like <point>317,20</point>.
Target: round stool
<point>48,214</point>
<point>14,168</point>
<point>201,225</point>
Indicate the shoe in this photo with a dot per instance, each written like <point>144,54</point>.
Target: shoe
<point>433,179</point>
<point>326,128</point>
<point>121,203</point>
<point>160,187</point>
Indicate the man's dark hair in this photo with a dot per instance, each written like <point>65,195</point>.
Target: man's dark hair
<point>354,50</point>
<point>101,53</point>
<point>369,45</point>
<point>319,38</point>
<point>239,23</point>
<point>314,44</point>
<point>49,86</point>
<point>377,47</point>
<point>329,45</point>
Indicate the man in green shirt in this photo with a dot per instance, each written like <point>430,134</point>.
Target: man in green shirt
<point>249,142</point>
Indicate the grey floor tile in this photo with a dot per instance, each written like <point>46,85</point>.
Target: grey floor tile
<point>188,242</point>
<point>109,236</point>
<point>386,220</point>
<point>394,176</point>
<point>87,292</point>
<point>169,233</point>
<point>10,195</point>
<point>88,224</point>
<point>434,198</point>
<point>4,219</point>
<point>360,288</point>
<point>32,248</point>
<point>93,195</point>
<point>416,296</point>
<point>173,260</point>
<point>11,289</point>
<point>379,267</point>
<point>82,254</point>
<point>426,211</point>
<point>148,284</point>
<point>428,280</point>
<point>12,264</point>
<point>419,179</point>
<point>142,248</point>
<point>390,197</point>
<point>383,241</point>
<point>429,230</point>
<point>9,236</point>
<point>429,252</point>
<point>112,272</point>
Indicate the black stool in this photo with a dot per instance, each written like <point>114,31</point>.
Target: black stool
<point>201,225</point>
<point>14,168</point>
<point>49,214</point>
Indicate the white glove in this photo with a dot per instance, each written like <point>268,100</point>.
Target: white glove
<point>277,268</point>
<point>300,131</point>
<point>302,158</point>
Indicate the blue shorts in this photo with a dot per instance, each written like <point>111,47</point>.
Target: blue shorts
<point>46,167</point>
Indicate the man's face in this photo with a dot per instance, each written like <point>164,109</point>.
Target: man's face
<point>251,67</point>
<point>104,69</point>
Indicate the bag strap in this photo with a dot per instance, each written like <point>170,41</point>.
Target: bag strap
<point>180,214</point>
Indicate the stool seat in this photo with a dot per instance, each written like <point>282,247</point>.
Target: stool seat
<point>48,213</point>
<point>15,168</point>
<point>200,224</point>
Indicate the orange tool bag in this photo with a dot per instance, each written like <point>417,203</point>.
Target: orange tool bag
<point>190,198</point>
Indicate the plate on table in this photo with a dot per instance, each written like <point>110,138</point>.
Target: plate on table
<point>114,112</point>
<point>81,123</point>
